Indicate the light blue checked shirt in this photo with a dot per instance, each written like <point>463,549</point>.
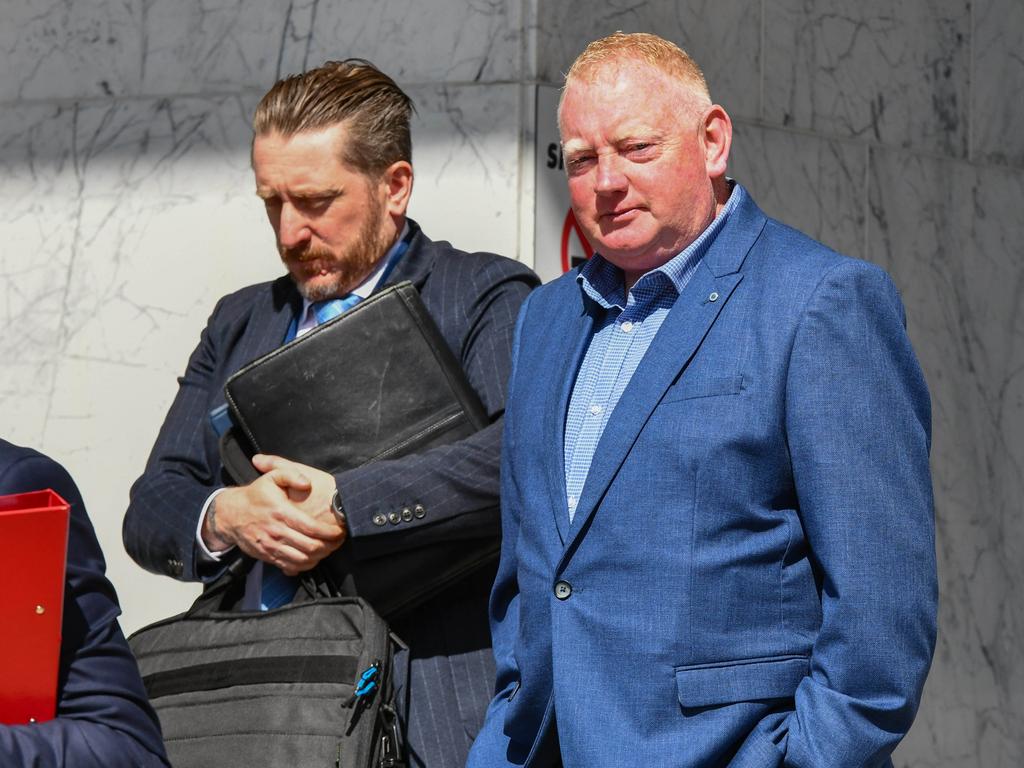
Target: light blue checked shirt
<point>621,337</point>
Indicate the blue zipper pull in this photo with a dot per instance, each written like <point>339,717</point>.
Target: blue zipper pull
<point>367,682</point>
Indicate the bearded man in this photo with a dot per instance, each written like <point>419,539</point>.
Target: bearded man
<point>332,157</point>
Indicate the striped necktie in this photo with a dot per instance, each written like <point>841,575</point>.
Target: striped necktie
<point>331,308</point>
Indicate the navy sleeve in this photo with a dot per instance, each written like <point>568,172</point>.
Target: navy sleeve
<point>103,717</point>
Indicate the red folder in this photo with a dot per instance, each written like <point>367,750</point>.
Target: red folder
<point>33,553</point>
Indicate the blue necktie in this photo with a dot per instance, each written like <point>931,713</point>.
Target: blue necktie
<point>276,588</point>
<point>331,308</point>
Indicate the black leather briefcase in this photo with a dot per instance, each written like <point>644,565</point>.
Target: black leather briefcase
<point>376,382</point>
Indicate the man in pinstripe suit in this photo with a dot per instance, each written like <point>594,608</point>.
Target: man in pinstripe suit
<point>332,161</point>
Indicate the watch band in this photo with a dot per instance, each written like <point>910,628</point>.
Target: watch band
<point>338,509</point>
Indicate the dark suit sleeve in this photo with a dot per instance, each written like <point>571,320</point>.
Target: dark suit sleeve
<point>456,485</point>
<point>103,718</point>
<point>858,425</point>
<point>159,529</point>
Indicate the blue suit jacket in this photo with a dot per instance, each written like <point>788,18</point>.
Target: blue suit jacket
<point>474,299</point>
<point>103,718</point>
<point>749,579</point>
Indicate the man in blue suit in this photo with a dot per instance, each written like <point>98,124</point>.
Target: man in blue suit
<point>103,718</point>
<point>718,544</point>
<point>332,157</point>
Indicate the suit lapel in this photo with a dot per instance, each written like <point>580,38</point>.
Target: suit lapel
<point>267,324</point>
<point>275,316</point>
<point>560,374</point>
<point>416,263</point>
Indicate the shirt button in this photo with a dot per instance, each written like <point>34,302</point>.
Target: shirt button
<point>379,519</point>
<point>562,590</point>
<point>595,410</point>
<point>572,502</point>
<point>626,327</point>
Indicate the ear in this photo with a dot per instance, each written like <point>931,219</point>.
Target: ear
<point>717,129</point>
<point>397,186</point>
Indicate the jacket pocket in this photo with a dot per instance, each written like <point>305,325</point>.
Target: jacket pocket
<point>709,685</point>
<point>688,389</point>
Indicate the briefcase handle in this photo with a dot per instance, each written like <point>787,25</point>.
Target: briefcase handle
<point>226,592</point>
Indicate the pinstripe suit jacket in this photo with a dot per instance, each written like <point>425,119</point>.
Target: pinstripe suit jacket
<point>474,298</point>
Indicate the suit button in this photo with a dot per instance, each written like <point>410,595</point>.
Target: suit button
<point>176,567</point>
<point>562,590</point>
<point>395,518</point>
<point>379,519</point>
<point>407,514</point>
<point>419,511</point>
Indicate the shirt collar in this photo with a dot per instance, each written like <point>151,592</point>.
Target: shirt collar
<point>365,288</point>
<point>602,281</point>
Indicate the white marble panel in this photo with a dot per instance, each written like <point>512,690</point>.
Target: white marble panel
<point>951,234</point>
<point>167,223</point>
<point>122,226</point>
<point>892,73</point>
<point>814,184</point>
<point>449,41</point>
<point>38,223</point>
<point>723,36</point>
<point>997,83</point>
<point>466,157</point>
<point>56,49</point>
<point>101,425</point>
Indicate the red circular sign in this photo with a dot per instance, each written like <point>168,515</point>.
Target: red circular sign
<point>570,226</point>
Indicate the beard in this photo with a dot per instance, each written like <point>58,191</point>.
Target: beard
<point>345,270</point>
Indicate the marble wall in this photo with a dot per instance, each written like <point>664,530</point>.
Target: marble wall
<point>888,130</point>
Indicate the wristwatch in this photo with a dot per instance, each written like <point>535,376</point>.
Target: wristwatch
<point>338,510</point>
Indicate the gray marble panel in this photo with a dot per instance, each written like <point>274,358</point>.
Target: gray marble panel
<point>164,147</point>
<point>452,41</point>
<point>814,184</point>
<point>951,234</point>
<point>37,150</point>
<point>223,46</point>
<point>724,38</point>
<point>466,156</point>
<point>997,86</point>
<point>58,49</point>
<point>892,73</point>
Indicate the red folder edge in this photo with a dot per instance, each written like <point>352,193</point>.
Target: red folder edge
<point>33,556</point>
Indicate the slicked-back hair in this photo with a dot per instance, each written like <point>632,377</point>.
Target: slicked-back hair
<point>353,92</point>
<point>640,46</point>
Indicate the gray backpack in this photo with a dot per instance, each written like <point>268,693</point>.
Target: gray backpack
<point>308,684</point>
